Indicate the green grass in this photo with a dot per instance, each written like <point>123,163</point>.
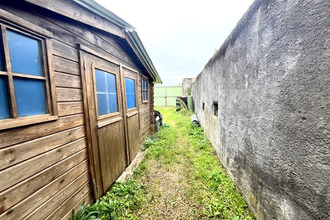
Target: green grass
<point>183,150</point>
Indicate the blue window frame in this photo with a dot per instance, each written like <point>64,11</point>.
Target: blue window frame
<point>144,90</point>
<point>4,99</point>
<point>106,92</point>
<point>2,62</point>
<point>24,84</point>
<point>130,93</point>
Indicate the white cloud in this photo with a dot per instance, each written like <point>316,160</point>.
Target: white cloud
<point>180,34</point>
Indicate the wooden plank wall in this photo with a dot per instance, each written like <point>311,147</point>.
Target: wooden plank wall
<point>44,170</point>
<point>146,112</point>
<point>151,107</point>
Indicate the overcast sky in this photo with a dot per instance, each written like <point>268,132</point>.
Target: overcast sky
<point>180,36</point>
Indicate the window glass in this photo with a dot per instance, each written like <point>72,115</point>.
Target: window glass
<point>4,99</point>
<point>30,97</point>
<point>2,67</point>
<point>144,89</point>
<point>25,54</point>
<point>102,103</point>
<point>101,85</point>
<point>112,93</point>
<point>106,92</point>
<point>130,92</point>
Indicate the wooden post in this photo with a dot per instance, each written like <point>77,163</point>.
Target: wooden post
<point>165,96</point>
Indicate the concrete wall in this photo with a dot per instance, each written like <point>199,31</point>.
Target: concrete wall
<point>271,81</point>
<point>186,85</point>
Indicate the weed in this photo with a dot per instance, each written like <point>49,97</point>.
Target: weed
<point>119,202</point>
<point>84,213</point>
<point>184,151</point>
<point>221,198</point>
<point>149,142</point>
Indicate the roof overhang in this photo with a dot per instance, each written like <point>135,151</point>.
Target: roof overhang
<point>131,35</point>
<point>135,42</point>
<point>105,13</point>
<point>111,24</point>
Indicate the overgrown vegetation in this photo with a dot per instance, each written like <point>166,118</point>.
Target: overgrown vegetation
<point>183,152</point>
<point>119,202</point>
<point>215,190</point>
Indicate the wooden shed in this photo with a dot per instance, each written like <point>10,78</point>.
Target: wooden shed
<point>76,104</point>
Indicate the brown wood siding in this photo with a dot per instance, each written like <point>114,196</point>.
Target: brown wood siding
<point>152,106</point>
<point>113,157</point>
<point>44,170</point>
<point>145,112</point>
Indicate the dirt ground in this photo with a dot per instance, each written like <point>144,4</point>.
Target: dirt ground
<point>167,188</point>
<point>176,188</point>
<point>167,199</point>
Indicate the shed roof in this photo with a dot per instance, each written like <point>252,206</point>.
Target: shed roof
<point>105,13</point>
<point>120,27</point>
<point>131,35</point>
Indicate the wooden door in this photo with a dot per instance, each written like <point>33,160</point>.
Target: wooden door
<point>105,120</point>
<point>131,110</point>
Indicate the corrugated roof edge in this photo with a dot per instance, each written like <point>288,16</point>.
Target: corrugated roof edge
<point>131,33</point>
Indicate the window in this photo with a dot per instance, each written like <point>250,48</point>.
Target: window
<point>25,88</point>
<point>106,92</point>
<point>144,90</point>
<point>130,93</point>
<point>215,108</point>
<point>203,106</point>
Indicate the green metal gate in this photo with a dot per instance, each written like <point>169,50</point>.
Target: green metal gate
<point>166,95</point>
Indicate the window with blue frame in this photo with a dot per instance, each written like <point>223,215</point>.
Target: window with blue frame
<point>23,75</point>
<point>144,90</point>
<point>130,93</point>
<point>106,92</point>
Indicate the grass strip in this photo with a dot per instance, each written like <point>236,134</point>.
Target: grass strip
<point>183,151</point>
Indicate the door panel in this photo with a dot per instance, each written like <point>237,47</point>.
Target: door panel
<point>112,119</point>
<point>133,134</point>
<point>106,121</point>
<point>113,157</point>
<point>130,79</point>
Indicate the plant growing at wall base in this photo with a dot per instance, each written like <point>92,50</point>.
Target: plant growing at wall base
<point>84,213</point>
<point>122,196</point>
<point>149,142</point>
<point>183,152</point>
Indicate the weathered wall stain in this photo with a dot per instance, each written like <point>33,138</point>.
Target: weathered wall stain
<point>271,81</point>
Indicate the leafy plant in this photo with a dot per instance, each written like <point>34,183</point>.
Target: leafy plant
<point>183,146</point>
<point>147,143</point>
<point>189,91</point>
<point>115,204</point>
<point>83,213</point>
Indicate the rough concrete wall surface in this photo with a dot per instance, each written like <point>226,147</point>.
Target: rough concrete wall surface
<point>271,82</point>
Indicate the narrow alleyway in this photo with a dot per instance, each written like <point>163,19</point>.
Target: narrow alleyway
<point>183,177</point>
<point>179,178</point>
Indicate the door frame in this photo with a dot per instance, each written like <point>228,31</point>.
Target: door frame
<point>92,149</point>
<point>133,111</point>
